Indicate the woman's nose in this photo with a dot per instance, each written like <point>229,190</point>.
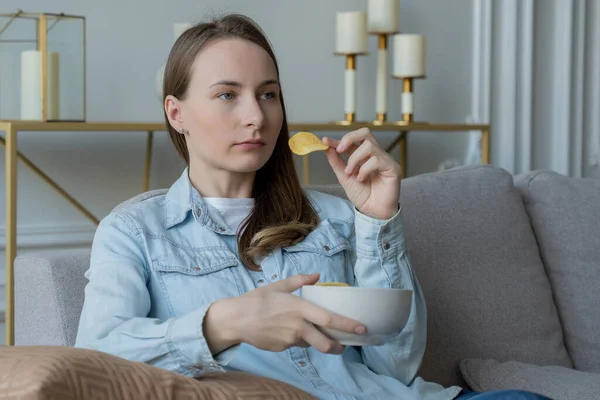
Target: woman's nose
<point>253,113</point>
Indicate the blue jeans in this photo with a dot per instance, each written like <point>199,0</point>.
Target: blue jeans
<point>500,395</point>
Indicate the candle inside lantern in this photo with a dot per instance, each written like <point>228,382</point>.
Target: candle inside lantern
<point>383,16</point>
<point>351,32</point>
<point>409,56</point>
<point>31,85</point>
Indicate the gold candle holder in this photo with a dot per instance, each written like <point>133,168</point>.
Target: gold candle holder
<point>407,87</point>
<point>350,42</point>
<point>383,21</point>
<point>350,116</point>
<point>381,83</point>
<point>349,88</point>
<point>408,102</point>
<point>409,64</point>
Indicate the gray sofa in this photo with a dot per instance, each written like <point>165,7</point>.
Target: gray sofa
<point>510,267</point>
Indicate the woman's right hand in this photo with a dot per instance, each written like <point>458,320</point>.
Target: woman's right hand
<point>271,318</point>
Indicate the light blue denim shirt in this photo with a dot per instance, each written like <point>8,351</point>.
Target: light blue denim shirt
<point>157,265</point>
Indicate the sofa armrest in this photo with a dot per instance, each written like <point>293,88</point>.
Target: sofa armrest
<point>48,372</point>
<point>49,293</point>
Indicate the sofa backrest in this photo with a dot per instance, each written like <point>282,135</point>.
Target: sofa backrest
<point>565,216</point>
<point>478,262</point>
<point>49,292</point>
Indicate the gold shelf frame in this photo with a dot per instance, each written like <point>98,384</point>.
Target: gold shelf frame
<point>12,128</point>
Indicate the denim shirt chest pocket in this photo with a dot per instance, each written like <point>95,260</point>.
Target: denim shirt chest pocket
<point>324,250</point>
<point>192,277</point>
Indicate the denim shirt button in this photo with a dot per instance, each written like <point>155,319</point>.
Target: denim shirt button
<point>261,281</point>
<point>326,248</point>
<point>386,246</point>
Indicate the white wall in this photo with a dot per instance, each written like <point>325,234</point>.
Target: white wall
<point>477,69</point>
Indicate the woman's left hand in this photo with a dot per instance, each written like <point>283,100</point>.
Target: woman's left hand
<point>371,178</point>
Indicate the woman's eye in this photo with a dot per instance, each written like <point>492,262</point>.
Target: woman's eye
<point>268,95</point>
<point>226,96</point>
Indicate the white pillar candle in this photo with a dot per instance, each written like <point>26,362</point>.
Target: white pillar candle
<point>31,85</point>
<point>350,91</point>
<point>351,32</point>
<point>179,28</point>
<point>383,16</point>
<point>409,56</point>
<point>381,88</point>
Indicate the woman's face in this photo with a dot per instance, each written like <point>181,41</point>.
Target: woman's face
<point>232,114</point>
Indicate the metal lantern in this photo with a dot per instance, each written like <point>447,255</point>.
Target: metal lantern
<point>42,67</point>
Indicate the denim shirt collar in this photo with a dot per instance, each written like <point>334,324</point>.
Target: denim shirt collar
<point>183,199</point>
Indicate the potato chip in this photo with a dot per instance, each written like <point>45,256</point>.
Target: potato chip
<point>305,142</point>
<point>331,284</point>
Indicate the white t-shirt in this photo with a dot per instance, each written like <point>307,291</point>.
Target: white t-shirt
<point>233,211</point>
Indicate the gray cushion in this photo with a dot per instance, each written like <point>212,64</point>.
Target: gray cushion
<point>565,215</point>
<point>49,287</point>
<point>558,383</point>
<point>476,258</point>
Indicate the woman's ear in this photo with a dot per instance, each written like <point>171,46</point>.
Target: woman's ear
<point>174,112</point>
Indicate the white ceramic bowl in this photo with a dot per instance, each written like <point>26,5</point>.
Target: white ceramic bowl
<point>383,311</point>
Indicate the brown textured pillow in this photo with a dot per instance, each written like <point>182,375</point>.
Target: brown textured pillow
<point>66,373</point>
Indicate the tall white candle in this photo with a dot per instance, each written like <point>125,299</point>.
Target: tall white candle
<point>383,16</point>
<point>351,32</point>
<point>409,56</point>
<point>179,28</point>
<point>31,85</point>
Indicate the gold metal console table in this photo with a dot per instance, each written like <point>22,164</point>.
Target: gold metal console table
<point>11,128</point>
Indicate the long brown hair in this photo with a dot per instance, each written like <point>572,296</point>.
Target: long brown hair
<point>282,214</point>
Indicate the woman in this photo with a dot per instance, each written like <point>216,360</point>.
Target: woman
<point>204,278</point>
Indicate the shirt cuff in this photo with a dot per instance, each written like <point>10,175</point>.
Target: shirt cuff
<point>377,238</point>
<point>187,341</point>
<point>225,357</point>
